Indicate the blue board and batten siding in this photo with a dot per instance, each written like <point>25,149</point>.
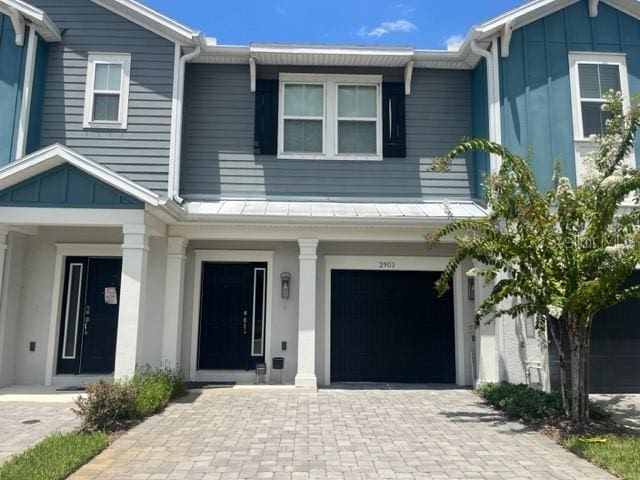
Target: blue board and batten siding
<point>12,58</point>
<point>479,161</point>
<point>66,186</point>
<point>218,147</point>
<point>141,152</point>
<point>535,86</point>
<point>37,96</point>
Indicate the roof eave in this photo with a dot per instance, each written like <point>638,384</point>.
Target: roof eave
<point>154,21</point>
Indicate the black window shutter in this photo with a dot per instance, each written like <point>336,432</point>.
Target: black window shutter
<point>394,142</point>
<point>266,119</point>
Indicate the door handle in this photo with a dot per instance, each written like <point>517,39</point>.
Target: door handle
<point>87,319</point>
<point>244,322</point>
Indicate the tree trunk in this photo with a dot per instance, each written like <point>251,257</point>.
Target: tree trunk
<point>555,327</point>
<point>579,333</point>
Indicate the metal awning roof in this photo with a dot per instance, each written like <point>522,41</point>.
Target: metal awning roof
<point>259,210</point>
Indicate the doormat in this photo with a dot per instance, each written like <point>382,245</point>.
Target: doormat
<point>70,389</point>
<point>209,385</point>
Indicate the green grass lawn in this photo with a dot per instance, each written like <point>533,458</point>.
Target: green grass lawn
<point>620,454</point>
<point>55,457</point>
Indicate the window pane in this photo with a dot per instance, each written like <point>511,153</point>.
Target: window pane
<point>357,101</point>
<point>106,108</point>
<point>303,136</point>
<point>72,316</point>
<point>108,76</point>
<point>258,311</point>
<point>593,118</point>
<point>357,137</point>
<point>304,100</point>
<point>610,78</point>
<point>589,81</point>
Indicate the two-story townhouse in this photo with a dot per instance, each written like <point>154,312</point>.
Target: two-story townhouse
<point>211,207</point>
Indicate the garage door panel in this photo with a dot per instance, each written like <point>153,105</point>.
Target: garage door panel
<point>615,349</point>
<point>390,327</point>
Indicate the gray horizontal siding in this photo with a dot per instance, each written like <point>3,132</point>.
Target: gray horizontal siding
<point>141,153</point>
<point>218,159</point>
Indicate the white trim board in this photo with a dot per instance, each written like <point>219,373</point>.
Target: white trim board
<point>152,20</point>
<point>398,264</point>
<point>63,251</point>
<point>248,256</point>
<point>31,15</point>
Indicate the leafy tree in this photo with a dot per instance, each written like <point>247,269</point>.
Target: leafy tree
<point>564,254</point>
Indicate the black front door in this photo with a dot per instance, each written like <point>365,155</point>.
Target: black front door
<point>89,322</point>
<point>232,316</point>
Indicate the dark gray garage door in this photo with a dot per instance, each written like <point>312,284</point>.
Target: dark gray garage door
<point>615,349</point>
<point>390,327</point>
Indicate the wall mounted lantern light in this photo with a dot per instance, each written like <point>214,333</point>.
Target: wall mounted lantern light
<point>285,277</point>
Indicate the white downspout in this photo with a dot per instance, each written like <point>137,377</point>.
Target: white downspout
<point>176,157</point>
<point>495,135</point>
<point>27,92</point>
<point>493,97</point>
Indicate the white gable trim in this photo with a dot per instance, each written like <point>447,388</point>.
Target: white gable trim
<point>153,21</point>
<point>537,9</point>
<point>21,13</point>
<point>54,155</point>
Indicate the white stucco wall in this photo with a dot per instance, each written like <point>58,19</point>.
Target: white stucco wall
<point>284,313</point>
<point>10,307</point>
<point>30,292</point>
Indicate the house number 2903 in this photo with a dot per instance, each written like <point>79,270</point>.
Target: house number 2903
<point>387,265</point>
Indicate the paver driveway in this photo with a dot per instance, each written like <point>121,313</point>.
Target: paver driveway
<point>16,436</point>
<point>416,434</point>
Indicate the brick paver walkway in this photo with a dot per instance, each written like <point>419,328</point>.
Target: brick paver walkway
<point>16,436</point>
<point>351,434</point>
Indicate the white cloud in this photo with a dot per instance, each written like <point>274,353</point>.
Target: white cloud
<point>281,11</point>
<point>454,42</point>
<point>384,28</point>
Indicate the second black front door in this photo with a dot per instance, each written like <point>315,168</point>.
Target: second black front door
<point>232,316</point>
<point>89,322</point>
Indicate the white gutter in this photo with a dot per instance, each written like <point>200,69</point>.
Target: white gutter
<point>493,95</point>
<point>176,124</point>
<point>27,91</point>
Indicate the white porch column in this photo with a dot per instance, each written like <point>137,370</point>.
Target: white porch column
<point>306,376</point>
<point>135,252</point>
<point>174,286</point>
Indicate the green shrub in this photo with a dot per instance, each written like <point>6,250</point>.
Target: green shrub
<point>156,388</point>
<point>528,404</point>
<point>55,457</point>
<point>107,406</point>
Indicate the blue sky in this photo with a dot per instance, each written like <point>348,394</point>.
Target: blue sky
<point>419,23</point>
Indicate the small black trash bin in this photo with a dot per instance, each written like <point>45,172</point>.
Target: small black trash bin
<point>277,363</point>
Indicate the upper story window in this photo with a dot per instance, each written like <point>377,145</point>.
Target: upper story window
<point>107,91</point>
<point>330,117</point>
<point>592,75</point>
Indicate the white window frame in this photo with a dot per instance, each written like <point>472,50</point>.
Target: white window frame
<point>330,117</point>
<point>67,318</point>
<point>579,58</point>
<point>124,59</point>
<point>263,294</point>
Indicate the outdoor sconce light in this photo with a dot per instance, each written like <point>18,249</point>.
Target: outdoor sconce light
<point>285,277</point>
<point>471,289</point>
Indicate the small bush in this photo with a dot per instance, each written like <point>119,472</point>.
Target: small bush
<point>107,406</point>
<point>156,388</point>
<point>528,404</point>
